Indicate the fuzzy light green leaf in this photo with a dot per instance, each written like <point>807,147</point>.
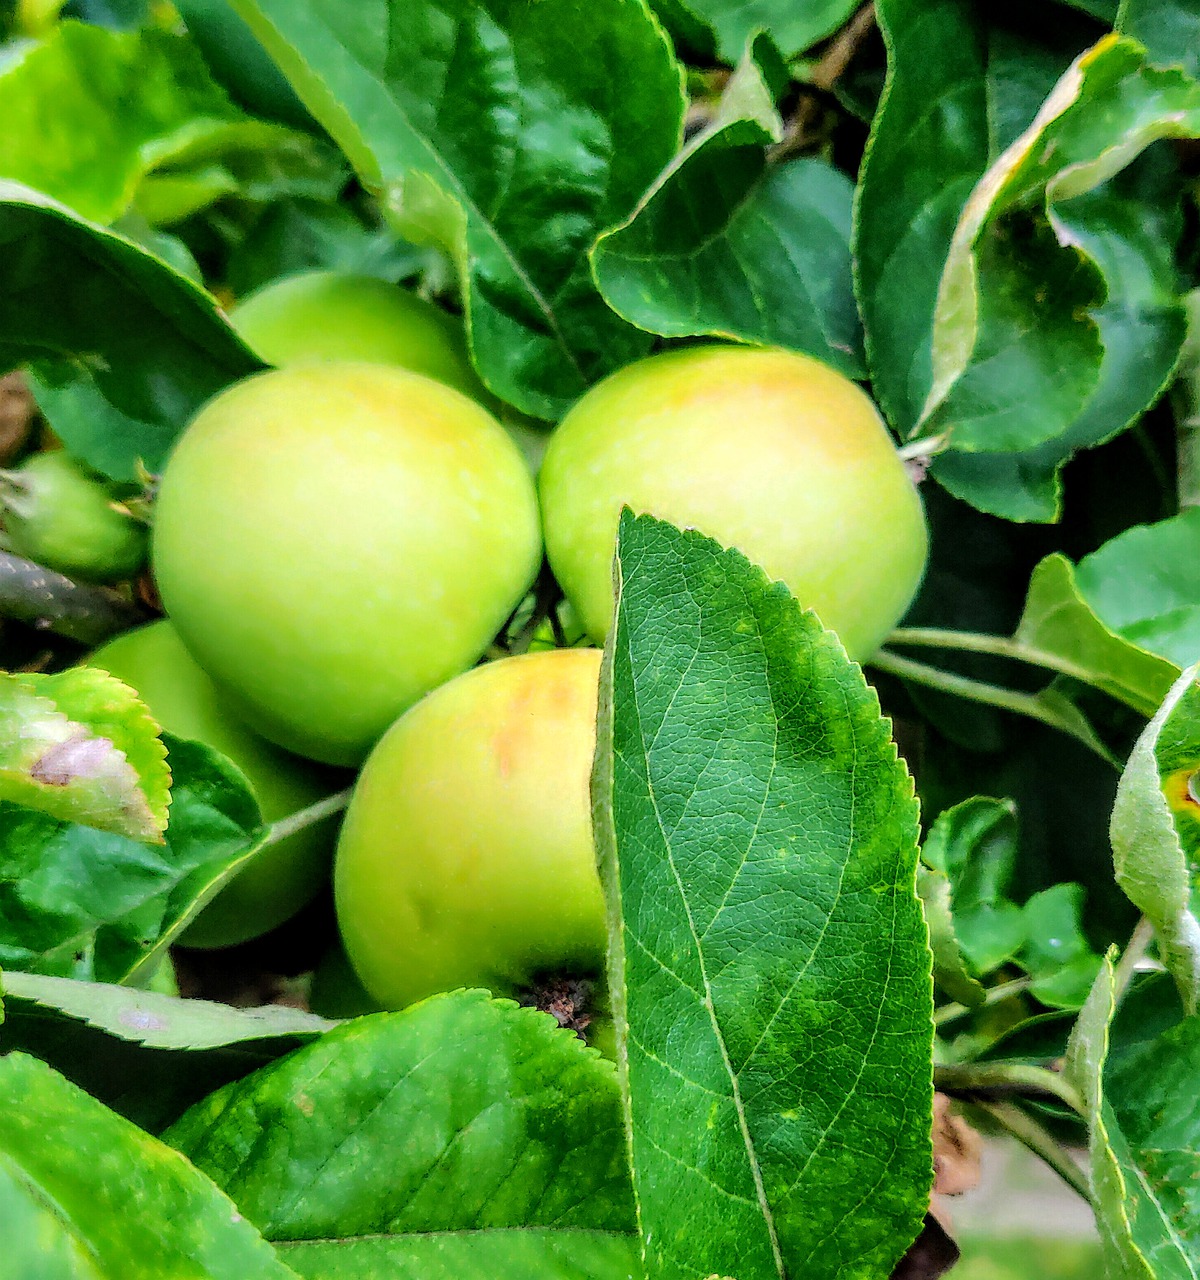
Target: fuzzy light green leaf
<point>85,1195</point>
<point>1155,831</point>
<point>726,244</point>
<point>768,963</point>
<point>489,1120</point>
<point>80,747</point>
<point>77,902</point>
<point>514,173</point>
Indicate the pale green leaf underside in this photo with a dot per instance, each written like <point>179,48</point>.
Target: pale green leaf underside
<point>769,964</point>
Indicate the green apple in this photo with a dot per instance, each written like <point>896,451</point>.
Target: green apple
<point>466,857</point>
<point>334,540</point>
<point>282,877</point>
<point>771,452</point>
<point>333,315</point>
<point>68,519</point>
<point>336,315</point>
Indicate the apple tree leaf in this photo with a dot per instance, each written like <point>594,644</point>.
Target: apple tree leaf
<point>126,105</point>
<point>768,961</point>
<point>1056,954</point>
<point>85,1195</point>
<point>524,1149</point>
<point>721,28</point>
<point>1170,30</point>
<point>1143,1135</point>
<point>152,343</point>
<point>1144,585</point>
<point>951,972</point>
<point>1156,831</point>
<point>727,244</point>
<point>81,903</point>
<point>1059,622</point>
<point>147,1055</point>
<point>79,746</point>
<point>974,845</point>
<point>515,174</point>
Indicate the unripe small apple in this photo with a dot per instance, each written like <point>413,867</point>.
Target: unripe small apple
<point>282,877</point>
<point>334,540</point>
<point>466,858</point>
<point>64,517</point>
<point>768,451</point>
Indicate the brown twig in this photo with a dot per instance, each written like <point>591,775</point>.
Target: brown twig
<point>37,596</point>
<point>828,71</point>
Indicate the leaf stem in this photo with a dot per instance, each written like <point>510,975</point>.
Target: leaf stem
<point>1037,1138</point>
<point>1135,951</point>
<point>1002,991</point>
<point>993,695</point>
<point>924,447</point>
<point>284,827</point>
<point>980,1079</point>
<point>51,602</point>
<point>996,646</point>
<point>1185,404</point>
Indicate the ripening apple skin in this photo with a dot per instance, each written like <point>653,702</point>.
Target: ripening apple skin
<point>281,878</point>
<point>466,857</point>
<point>767,451</point>
<point>334,540</point>
<point>333,315</point>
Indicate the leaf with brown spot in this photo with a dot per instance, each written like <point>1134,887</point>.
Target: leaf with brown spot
<point>81,747</point>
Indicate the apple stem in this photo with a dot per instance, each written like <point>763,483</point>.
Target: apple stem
<point>50,601</point>
<point>284,827</point>
<point>990,694</point>
<point>924,447</point>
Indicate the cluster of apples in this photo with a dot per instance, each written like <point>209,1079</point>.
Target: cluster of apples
<point>338,541</point>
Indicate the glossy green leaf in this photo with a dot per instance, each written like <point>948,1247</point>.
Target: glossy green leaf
<point>723,28</point>
<point>515,174</point>
<point>487,1119</point>
<point>1058,621</point>
<point>125,104</point>
<point>80,747</point>
<point>1144,585</point>
<point>962,87</point>
<point>84,1195</point>
<point>151,342</point>
<point>1143,1131</point>
<point>76,902</point>
<point>752,864</point>
<point>729,245</point>
<point>1130,227</point>
<point>974,845</point>
<point>1170,30</point>
<point>1010,322</point>
<point>1056,955</point>
<point>146,1055</point>
<point>1156,832</point>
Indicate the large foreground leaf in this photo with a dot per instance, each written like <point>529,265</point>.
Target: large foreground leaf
<point>151,341</point>
<point>463,1117</point>
<point>494,130</point>
<point>769,966</point>
<point>84,1195</point>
